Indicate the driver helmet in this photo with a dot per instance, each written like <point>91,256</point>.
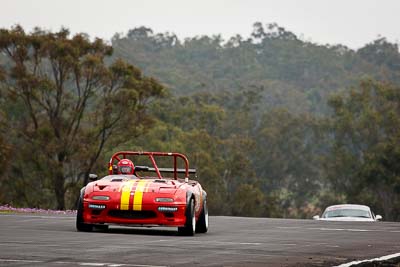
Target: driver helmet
<point>125,166</point>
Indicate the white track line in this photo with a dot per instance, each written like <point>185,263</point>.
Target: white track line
<point>383,258</point>
<point>343,229</point>
<point>25,261</point>
<point>69,263</point>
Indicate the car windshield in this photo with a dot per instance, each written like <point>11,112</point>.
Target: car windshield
<point>346,213</point>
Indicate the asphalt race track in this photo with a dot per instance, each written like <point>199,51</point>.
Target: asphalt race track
<point>51,240</point>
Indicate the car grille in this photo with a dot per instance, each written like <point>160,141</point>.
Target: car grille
<point>132,214</point>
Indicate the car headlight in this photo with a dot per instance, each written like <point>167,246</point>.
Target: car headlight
<point>101,197</point>
<point>164,199</point>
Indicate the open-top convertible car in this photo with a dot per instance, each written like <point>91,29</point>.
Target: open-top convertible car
<point>134,194</point>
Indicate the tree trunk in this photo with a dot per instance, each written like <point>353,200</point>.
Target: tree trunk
<point>86,177</point>
<point>59,190</point>
<point>59,182</point>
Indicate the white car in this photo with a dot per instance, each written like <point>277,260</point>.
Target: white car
<point>348,212</point>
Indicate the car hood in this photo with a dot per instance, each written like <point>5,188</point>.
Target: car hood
<point>348,219</point>
<point>168,186</point>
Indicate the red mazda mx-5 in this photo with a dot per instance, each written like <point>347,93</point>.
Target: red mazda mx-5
<point>136,194</point>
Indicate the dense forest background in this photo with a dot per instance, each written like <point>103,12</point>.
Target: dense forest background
<point>275,125</point>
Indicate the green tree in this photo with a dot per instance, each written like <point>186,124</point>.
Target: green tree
<point>71,104</point>
<point>287,159</point>
<point>382,53</point>
<point>363,164</point>
<point>249,201</point>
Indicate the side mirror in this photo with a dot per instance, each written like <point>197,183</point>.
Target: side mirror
<point>378,218</point>
<point>316,217</point>
<point>92,177</point>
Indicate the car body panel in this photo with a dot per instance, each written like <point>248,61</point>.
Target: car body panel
<point>348,212</point>
<point>153,200</point>
<point>347,219</point>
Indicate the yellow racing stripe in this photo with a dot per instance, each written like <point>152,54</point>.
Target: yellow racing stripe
<point>138,198</point>
<point>126,194</point>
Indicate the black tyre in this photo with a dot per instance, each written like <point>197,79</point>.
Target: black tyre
<point>202,222</point>
<point>190,227</point>
<point>101,227</point>
<point>80,225</point>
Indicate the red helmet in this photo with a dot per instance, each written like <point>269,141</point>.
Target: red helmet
<point>125,166</point>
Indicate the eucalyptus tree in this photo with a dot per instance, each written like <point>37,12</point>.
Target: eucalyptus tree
<point>70,103</point>
<point>365,127</point>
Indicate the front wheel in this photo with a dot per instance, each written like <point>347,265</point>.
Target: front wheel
<point>202,223</point>
<point>190,226</point>
<point>80,225</point>
<point>101,227</point>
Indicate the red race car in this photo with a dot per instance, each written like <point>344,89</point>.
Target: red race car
<point>142,195</point>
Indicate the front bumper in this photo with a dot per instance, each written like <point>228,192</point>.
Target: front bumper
<point>153,214</point>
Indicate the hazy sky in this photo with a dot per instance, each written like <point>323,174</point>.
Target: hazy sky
<point>350,22</point>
